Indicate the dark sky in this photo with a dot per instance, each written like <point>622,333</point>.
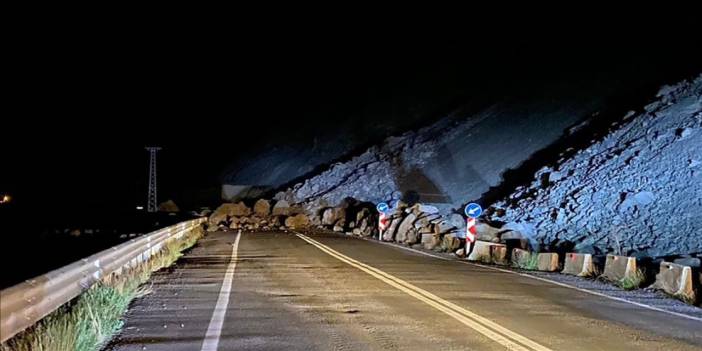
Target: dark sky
<point>82,105</point>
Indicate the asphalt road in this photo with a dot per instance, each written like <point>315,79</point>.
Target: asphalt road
<point>285,291</point>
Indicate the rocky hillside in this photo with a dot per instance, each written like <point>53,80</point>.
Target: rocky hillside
<point>630,186</point>
<point>636,191</point>
<point>451,162</point>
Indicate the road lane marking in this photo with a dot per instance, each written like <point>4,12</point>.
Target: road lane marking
<point>490,329</point>
<point>565,285</point>
<point>214,330</point>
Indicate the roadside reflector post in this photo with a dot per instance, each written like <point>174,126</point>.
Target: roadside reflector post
<point>383,219</point>
<point>472,211</point>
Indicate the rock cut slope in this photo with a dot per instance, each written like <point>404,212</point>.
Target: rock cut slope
<point>638,190</point>
<point>450,162</point>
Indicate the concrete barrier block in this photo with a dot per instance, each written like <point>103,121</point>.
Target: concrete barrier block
<point>619,267</point>
<point>520,257</point>
<point>578,264</point>
<point>547,262</point>
<point>676,280</point>
<point>498,255</point>
<point>481,251</point>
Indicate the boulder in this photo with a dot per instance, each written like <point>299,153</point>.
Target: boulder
<point>369,231</point>
<point>405,226</point>
<point>168,206</point>
<point>429,229</point>
<point>389,234</point>
<point>338,229</point>
<point>235,223</point>
<point>457,221</point>
<point>275,221</point>
<point>412,236</point>
<point>425,220</point>
<point>281,208</point>
<point>400,206</point>
<point>217,217</point>
<point>262,208</point>
<point>362,214</point>
<point>450,243</point>
<point>230,210</point>
<point>363,224</point>
<point>431,241</point>
<point>239,209</point>
<point>428,209</point>
<point>333,215</point>
<point>414,209</point>
<point>356,231</point>
<point>487,232</point>
<point>315,220</point>
<point>298,221</point>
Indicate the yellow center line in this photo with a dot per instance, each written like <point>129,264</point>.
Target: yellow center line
<point>480,324</point>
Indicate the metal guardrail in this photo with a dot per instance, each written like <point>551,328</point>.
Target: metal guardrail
<point>24,304</point>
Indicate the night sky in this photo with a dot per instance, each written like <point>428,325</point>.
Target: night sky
<point>83,108</point>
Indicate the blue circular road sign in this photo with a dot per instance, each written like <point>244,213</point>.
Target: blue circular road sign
<point>473,210</point>
<point>382,207</point>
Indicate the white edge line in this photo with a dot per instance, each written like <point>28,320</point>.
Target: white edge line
<point>544,280</point>
<point>214,330</point>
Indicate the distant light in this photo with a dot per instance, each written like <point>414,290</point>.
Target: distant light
<point>5,199</point>
<point>140,208</point>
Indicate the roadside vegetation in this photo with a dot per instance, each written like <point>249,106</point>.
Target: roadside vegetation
<point>528,262</point>
<point>89,321</point>
<point>633,281</point>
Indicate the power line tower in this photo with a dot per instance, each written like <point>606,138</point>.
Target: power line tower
<point>153,203</point>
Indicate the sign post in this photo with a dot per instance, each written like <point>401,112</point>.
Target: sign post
<point>383,219</point>
<point>472,211</point>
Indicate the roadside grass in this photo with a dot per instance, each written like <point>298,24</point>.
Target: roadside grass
<point>89,321</point>
<point>529,263</point>
<point>632,282</point>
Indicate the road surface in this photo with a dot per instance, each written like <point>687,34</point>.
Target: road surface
<point>283,291</point>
